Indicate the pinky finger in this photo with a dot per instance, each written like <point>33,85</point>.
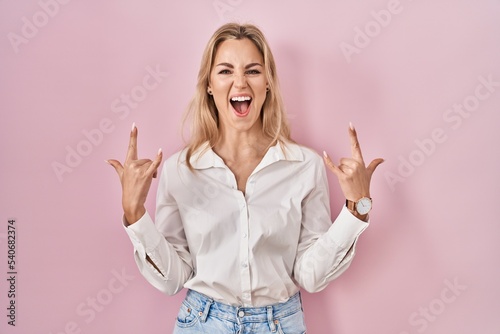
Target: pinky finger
<point>156,163</point>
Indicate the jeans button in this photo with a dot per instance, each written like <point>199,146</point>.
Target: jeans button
<point>241,314</point>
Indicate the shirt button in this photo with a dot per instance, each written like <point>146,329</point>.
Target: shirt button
<point>244,264</point>
<point>246,295</point>
<point>241,314</point>
<point>244,235</point>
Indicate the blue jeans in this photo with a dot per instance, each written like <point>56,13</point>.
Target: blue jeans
<point>201,314</point>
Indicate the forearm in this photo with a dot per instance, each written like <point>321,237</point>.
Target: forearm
<point>330,254</point>
<point>165,266</point>
<point>164,269</point>
<point>132,216</point>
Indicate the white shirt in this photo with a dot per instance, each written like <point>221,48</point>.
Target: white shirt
<point>251,249</point>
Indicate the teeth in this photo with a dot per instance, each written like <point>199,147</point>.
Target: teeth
<point>241,98</point>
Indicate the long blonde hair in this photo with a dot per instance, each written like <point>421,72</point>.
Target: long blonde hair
<point>202,110</point>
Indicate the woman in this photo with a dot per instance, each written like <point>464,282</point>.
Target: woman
<point>243,215</point>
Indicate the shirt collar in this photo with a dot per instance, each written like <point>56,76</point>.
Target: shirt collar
<point>204,157</point>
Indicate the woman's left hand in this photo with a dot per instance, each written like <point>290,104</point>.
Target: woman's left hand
<point>354,177</point>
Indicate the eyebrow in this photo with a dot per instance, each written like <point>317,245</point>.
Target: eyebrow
<point>246,67</point>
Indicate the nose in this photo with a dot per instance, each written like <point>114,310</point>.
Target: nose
<point>240,81</point>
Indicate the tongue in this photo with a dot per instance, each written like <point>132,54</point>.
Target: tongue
<point>241,106</point>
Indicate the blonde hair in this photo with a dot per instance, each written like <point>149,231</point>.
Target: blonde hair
<point>202,109</point>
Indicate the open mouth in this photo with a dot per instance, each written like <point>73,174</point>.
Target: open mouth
<point>241,104</point>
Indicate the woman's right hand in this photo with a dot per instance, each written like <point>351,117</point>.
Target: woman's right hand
<point>135,176</point>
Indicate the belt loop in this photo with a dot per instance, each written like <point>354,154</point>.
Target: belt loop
<point>204,314</point>
<point>270,319</point>
<point>300,301</point>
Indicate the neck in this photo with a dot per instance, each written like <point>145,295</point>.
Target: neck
<point>236,145</point>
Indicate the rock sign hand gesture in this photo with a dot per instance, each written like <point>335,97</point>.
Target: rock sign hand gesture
<point>354,177</point>
<point>135,176</point>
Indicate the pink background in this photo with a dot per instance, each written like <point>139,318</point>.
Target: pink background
<point>435,220</point>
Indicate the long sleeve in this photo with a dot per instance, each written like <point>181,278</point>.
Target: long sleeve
<point>165,243</point>
<point>254,248</point>
<point>325,251</point>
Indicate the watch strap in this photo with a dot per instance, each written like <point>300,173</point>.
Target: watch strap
<point>350,205</point>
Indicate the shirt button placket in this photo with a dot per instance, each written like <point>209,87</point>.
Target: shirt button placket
<point>250,186</point>
<point>244,251</point>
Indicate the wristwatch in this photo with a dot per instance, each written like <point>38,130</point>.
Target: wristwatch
<point>362,206</point>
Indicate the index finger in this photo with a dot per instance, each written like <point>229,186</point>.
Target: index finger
<point>132,145</point>
<point>355,148</point>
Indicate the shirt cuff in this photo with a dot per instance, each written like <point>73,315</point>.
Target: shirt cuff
<point>346,228</point>
<point>143,234</point>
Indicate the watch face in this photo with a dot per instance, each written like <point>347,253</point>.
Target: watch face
<point>364,205</point>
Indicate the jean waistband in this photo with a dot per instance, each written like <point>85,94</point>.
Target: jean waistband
<point>206,306</point>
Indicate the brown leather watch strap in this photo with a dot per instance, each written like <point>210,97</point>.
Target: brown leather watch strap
<point>350,205</point>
